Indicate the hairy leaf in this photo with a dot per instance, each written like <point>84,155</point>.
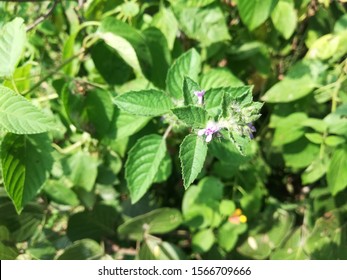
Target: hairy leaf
<point>144,103</point>
<point>143,163</point>
<point>193,151</point>
<point>18,115</point>
<point>26,161</point>
<point>191,116</point>
<point>187,65</point>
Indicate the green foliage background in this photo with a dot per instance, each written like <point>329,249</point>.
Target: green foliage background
<point>96,105</point>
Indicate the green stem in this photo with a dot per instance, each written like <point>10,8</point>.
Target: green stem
<point>14,85</point>
<point>167,131</point>
<point>82,51</point>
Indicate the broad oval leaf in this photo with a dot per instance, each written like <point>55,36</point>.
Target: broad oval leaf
<point>193,151</point>
<point>187,65</point>
<point>26,161</point>
<point>192,116</point>
<point>204,24</point>
<point>143,164</point>
<point>158,221</point>
<point>83,169</point>
<point>254,13</point>
<point>18,115</point>
<point>284,18</point>
<point>95,224</point>
<point>219,77</point>
<point>85,249</point>
<point>166,22</point>
<point>337,175</point>
<point>124,49</point>
<point>126,124</point>
<point>12,42</point>
<point>125,34</point>
<point>203,240</point>
<point>22,226</point>
<point>144,103</point>
<point>189,87</point>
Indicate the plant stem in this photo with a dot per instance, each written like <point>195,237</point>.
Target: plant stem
<point>43,17</point>
<point>14,85</point>
<point>167,131</point>
<point>82,51</point>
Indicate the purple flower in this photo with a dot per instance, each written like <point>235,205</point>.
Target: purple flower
<point>251,129</point>
<point>200,96</point>
<point>210,129</point>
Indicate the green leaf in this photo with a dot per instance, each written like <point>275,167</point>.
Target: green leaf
<point>21,77</point>
<point>316,124</point>
<point>284,18</point>
<point>227,152</point>
<point>203,240</point>
<point>300,153</point>
<point>334,141</point>
<point>213,100</point>
<point>187,65</point>
<point>128,42</point>
<point>127,124</point>
<point>315,138</point>
<point>158,47</point>
<point>228,234</point>
<point>110,65</point>
<point>227,207</point>
<point>341,24</point>
<point>189,87</point>
<point>328,232</point>
<point>143,163</point>
<point>165,169</point>
<point>201,203</point>
<point>289,129</point>
<point>24,225</point>
<point>165,21</point>
<point>293,248</point>
<point>204,24</point>
<point>337,175</point>
<point>12,43</point>
<point>96,224</point>
<point>124,49</point>
<point>193,151</point>
<point>289,90</point>
<point>61,194</point>
<point>192,116</point>
<point>144,103</point>
<point>18,115</point>
<point>158,221</point>
<point>155,249</point>
<point>271,232</point>
<point>26,161</point>
<point>300,81</point>
<point>83,169</point>
<point>324,47</point>
<point>219,77</point>
<point>92,111</point>
<point>8,252</point>
<point>84,249</point>
<point>314,171</point>
<point>254,13</point>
